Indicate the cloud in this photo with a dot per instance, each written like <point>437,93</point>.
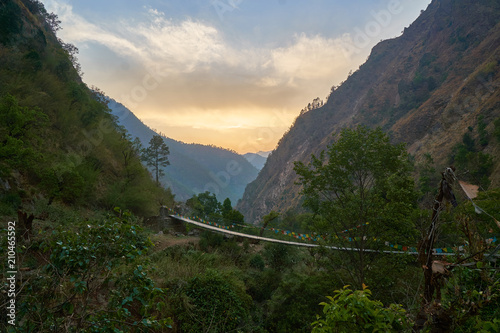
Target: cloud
<point>208,82</point>
<point>309,58</point>
<point>190,45</point>
<point>78,30</point>
<point>185,45</point>
<point>181,47</point>
<point>245,129</point>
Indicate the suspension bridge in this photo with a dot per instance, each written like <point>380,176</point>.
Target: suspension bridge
<point>273,240</point>
<point>406,250</point>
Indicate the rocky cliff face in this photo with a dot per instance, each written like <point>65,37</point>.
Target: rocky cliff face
<point>427,88</point>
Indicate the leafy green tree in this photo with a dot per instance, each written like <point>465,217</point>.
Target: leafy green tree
<point>19,127</point>
<point>365,194</point>
<point>156,156</point>
<point>476,165</point>
<point>295,302</point>
<point>226,206</point>
<point>267,219</point>
<point>72,51</point>
<point>469,142</point>
<point>206,206</point>
<point>427,175</point>
<point>131,151</point>
<point>229,214</point>
<point>354,311</point>
<point>52,22</point>
<point>470,293</point>
<point>66,184</point>
<point>280,256</point>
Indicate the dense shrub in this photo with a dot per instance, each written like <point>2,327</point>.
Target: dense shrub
<point>215,303</point>
<point>88,280</point>
<point>354,311</point>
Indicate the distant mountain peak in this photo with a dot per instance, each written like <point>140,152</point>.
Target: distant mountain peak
<point>264,153</point>
<point>256,159</point>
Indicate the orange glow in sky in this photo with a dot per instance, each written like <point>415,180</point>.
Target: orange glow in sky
<point>234,75</point>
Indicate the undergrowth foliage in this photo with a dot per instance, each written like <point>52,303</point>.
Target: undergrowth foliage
<point>87,279</point>
<point>472,298</point>
<point>213,303</point>
<point>354,311</point>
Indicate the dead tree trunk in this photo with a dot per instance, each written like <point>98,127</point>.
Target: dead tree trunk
<point>425,246</point>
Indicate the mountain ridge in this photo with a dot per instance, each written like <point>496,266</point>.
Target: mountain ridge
<point>417,87</point>
<point>194,168</point>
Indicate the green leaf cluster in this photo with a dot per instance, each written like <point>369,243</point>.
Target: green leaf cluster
<point>471,299</point>
<point>20,134</point>
<point>354,311</point>
<point>475,164</point>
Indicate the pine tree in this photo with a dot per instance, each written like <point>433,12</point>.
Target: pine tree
<point>156,156</point>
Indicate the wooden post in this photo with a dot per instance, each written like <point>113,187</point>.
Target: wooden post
<point>426,245</point>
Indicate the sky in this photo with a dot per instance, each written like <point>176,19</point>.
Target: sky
<point>230,73</point>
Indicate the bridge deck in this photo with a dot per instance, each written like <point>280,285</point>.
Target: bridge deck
<point>272,240</point>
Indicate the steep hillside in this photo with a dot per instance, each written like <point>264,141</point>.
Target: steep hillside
<point>194,168</point>
<point>59,144</point>
<point>431,87</point>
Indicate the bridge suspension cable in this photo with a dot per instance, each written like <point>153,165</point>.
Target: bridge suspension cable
<point>273,240</point>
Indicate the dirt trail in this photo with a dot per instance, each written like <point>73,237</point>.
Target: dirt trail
<point>162,241</point>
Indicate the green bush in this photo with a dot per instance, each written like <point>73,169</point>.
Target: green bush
<point>294,304</point>
<point>279,256</point>
<point>136,305</point>
<point>353,311</point>
<point>216,303</point>
<point>210,240</point>
<point>86,284</point>
<point>262,284</point>
<point>471,298</point>
<point>257,262</point>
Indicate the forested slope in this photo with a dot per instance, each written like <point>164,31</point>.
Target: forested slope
<point>59,141</point>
